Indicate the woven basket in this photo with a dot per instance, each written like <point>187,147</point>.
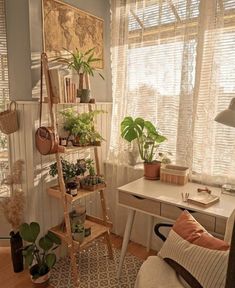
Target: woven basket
<point>8,119</point>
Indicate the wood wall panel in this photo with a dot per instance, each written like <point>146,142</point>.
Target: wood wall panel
<point>39,206</point>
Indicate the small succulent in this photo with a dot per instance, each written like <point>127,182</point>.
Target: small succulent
<point>77,228</point>
<point>92,180</point>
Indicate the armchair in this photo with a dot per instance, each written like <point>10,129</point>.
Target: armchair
<point>155,272</point>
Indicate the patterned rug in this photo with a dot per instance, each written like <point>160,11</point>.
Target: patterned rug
<point>97,270</point>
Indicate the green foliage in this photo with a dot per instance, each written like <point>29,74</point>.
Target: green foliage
<point>82,125</point>
<point>90,180</point>
<point>81,62</point>
<point>30,232</point>
<point>3,141</point>
<point>147,136</point>
<point>70,170</point>
<point>41,252</point>
<point>77,228</point>
<point>90,167</point>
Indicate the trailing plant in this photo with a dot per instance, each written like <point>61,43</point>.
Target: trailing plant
<point>69,170</point>
<point>146,134</point>
<point>41,251</point>
<point>81,62</point>
<point>82,125</point>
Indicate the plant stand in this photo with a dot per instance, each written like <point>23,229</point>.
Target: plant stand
<point>99,227</point>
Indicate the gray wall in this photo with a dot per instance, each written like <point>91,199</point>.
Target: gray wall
<point>24,27</point>
<point>17,21</point>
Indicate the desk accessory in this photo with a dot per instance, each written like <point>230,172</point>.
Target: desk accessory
<point>203,199</point>
<point>228,189</point>
<point>174,174</point>
<point>227,117</point>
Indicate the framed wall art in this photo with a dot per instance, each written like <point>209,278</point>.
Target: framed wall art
<point>67,27</point>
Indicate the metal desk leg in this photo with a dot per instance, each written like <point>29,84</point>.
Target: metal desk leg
<point>126,238</point>
<point>150,232</point>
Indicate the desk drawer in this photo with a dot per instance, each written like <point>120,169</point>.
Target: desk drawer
<point>220,226</point>
<point>146,205</point>
<point>172,212</point>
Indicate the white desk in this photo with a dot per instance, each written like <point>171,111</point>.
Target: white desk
<point>163,200</point>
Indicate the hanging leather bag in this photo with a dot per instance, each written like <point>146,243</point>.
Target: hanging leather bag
<point>46,140</point>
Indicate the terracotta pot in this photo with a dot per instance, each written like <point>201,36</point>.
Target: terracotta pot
<point>152,170</point>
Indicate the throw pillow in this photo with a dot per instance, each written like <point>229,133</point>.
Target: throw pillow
<point>195,254</point>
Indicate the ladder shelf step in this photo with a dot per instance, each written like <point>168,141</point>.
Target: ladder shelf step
<point>74,149</point>
<point>55,192</point>
<point>97,230</point>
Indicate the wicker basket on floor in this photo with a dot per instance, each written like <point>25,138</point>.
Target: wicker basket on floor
<point>8,119</point>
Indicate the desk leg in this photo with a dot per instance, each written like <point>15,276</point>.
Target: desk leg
<point>150,232</point>
<point>126,238</point>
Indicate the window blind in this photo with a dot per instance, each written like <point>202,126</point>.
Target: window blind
<point>161,63</point>
<point>173,64</point>
<point>4,87</point>
<point>4,95</point>
<point>217,88</point>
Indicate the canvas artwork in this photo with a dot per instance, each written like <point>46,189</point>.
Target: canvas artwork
<point>68,27</point>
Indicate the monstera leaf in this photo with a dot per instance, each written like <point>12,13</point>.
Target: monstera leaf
<point>132,129</point>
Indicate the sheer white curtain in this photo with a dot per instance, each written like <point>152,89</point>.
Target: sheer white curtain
<point>173,63</point>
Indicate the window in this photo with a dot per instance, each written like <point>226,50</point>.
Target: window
<point>173,63</point>
<point>4,95</point>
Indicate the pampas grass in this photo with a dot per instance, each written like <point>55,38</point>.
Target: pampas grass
<point>13,208</point>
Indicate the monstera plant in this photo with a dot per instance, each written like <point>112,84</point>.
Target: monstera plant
<point>148,139</point>
<point>39,254</point>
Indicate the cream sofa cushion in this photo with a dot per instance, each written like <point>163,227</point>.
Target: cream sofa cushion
<point>156,273</point>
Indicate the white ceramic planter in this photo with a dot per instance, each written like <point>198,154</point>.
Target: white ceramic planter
<point>41,281</point>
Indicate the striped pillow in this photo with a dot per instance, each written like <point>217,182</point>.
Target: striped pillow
<point>196,255</point>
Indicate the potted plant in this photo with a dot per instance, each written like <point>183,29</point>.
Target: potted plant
<point>78,232</point>
<point>70,172</point>
<point>39,254</point>
<point>92,181</point>
<point>82,63</point>
<point>148,140</point>
<point>81,126</point>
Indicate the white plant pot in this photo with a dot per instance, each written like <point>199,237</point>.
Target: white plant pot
<point>41,280</point>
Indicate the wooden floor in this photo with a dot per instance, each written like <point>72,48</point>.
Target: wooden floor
<point>9,279</point>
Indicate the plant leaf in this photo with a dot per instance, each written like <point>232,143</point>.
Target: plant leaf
<point>45,243</point>
<point>131,129</point>
<point>35,230</point>
<point>54,238</point>
<point>29,259</point>
<point>50,260</point>
<point>25,233</point>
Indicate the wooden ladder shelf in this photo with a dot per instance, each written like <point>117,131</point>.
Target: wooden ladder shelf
<point>99,227</point>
